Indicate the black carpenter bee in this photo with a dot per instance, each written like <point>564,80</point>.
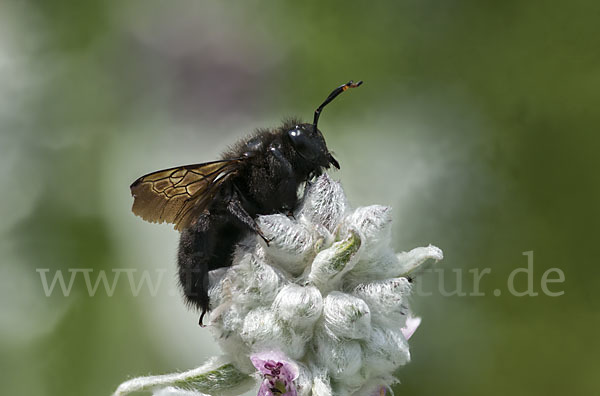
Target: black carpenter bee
<point>215,204</point>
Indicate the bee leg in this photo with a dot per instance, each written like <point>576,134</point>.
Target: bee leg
<point>193,259</point>
<point>286,165</point>
<point>287,188</point>
<point>202,317</point>
<point>235,208</point>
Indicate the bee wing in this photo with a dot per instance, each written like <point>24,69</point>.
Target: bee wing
<point>179,195</point>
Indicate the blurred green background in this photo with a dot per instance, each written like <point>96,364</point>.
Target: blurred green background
<point>478,122</point>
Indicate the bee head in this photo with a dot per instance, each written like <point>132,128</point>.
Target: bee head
<point>309,141</point>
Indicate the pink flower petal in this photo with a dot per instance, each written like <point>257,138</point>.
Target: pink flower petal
<point>381,391</point>
<point>264,389</point>
<point>278,371</point>
<point>412,323</point>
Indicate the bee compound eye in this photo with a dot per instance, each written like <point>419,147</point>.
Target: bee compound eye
<point>299,137</point>
<point>304,142</point>
<point>296,133</point>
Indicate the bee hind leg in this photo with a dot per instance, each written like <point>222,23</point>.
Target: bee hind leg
<point>201,318</point>
<point>193,259</point>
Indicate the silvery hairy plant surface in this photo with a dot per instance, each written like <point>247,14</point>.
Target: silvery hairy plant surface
<point>321,310</point>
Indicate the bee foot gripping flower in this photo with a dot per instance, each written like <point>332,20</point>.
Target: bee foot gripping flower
<point>322,310</point>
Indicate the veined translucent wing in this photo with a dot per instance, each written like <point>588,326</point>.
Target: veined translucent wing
<point>179,195</point>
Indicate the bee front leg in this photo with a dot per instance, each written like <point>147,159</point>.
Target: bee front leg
<point>287,188</point>
<point>286,166</point>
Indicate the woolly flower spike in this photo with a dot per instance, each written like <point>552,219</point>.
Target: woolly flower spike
<point>328,294</point>
<point>322,310</point>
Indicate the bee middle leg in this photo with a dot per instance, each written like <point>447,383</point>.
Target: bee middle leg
<point>235,208</point>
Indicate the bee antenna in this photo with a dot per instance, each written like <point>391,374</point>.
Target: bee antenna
<point>333,95</point>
